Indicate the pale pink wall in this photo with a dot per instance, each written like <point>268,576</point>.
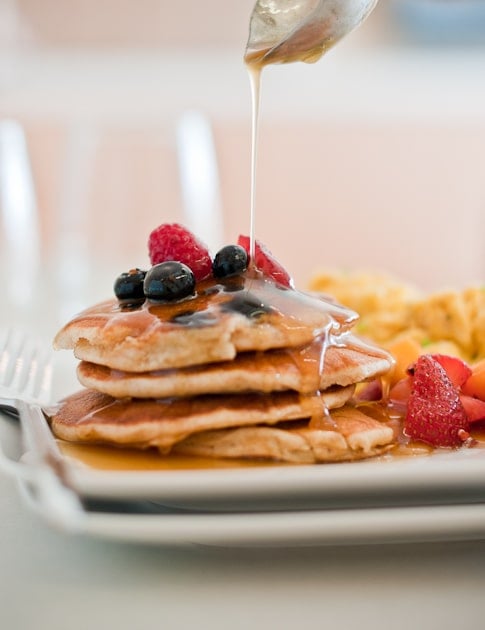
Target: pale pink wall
<point>407,198</point>
<point>144,23</point>
<point>404,195</point>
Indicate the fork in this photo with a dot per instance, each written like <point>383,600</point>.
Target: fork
<point>25,383</point>
<point>25,371</point>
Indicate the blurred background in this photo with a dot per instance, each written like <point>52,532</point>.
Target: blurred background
<point>116,116</point>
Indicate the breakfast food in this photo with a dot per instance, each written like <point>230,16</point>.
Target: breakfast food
<point>438,343</point>
<point>227,362</point>
<point>265,372</point>
<point>352,435</point>
<point>448,321</point>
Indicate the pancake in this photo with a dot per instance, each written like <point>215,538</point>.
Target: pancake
<point>90,416</point>
<point>354,436</point>
<point>295,369</point>
<point>223,319</point>
<point>225,373</point>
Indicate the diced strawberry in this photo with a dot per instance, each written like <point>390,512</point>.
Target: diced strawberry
<point>171,241</point>
<point>475,385</point>
<point>458,371</point>
<point>266,262</point>
<point>474,408</point>
<point>435,413</point>
<point>400,393</point>
<point>370,391</point>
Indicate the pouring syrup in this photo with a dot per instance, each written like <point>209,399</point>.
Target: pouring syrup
<point>283,31</point>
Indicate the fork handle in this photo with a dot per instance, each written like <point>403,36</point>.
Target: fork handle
<point>38,440</point>
<point>54,500</point>
<point>12,467</point>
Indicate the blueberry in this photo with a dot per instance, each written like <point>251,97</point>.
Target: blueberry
<point>231,260</point>
<point>129,285</point>
<point>169,281</point>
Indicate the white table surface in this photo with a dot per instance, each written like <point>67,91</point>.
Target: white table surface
<point>55,581</point>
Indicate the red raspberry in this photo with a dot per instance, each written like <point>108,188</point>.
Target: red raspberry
<point>171,241</point>
<point>435,413</point>
<point>265,262</point>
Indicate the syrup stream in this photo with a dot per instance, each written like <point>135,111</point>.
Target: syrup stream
<point>255,80</point>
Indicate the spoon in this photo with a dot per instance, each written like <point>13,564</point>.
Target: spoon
<point>282,31</point>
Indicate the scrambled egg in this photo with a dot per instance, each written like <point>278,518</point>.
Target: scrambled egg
<point>449,322</point>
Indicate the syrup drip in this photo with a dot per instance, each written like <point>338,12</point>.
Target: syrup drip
<point>250,295</point>
<point>256,60</point>
<point>321,419</point>
<point>255,80</point>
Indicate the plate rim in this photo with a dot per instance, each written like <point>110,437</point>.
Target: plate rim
<point>427,473</point>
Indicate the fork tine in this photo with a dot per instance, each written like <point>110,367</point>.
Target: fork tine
<point>4,354</point>
<point>4,339</point>
<point>23,366</point>
<point>46,382</point>
<point>8,364</point>
<point>29,387</point>
<point>40,378</point>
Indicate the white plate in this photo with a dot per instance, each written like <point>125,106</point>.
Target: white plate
<point>450,477</point>
<point>272,529</point>
<point>438,497</point>
<point>457,476</point>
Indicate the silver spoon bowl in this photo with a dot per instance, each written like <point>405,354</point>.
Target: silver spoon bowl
<point>283,31</point>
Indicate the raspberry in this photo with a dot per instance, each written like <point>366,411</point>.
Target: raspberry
<point>265,262</point>
<point>435,413</point>
<point>171,241</point>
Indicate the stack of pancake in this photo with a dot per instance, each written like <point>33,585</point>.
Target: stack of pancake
<point>245,369</point>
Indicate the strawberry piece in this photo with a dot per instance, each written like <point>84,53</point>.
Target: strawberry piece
<point>371,391</point>
<point>458,371</point>
<point>474,408</point>
<point>400,393</point>
<point>435,413</point>
<point>172,241</point>
<point>266,262</point>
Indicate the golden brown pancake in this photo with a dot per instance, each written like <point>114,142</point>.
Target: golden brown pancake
<point>90,416</point>
<point>296,369</point>
<point>224,318</point>
<point>225,373</point>
<point>353,436</point>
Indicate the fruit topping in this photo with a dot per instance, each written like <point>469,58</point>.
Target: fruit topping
<point>475,385</point>
<point>400,393</point>
<point>129,285</point>
<point>474,408</point>
<point>169,281</point>
<point>171,241</point>
<point>405,351</point>
<point>435,413</point>
<point>369,392</point>
<point>231,260</point>
<point>457,370</point>
<point>265,262</point>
